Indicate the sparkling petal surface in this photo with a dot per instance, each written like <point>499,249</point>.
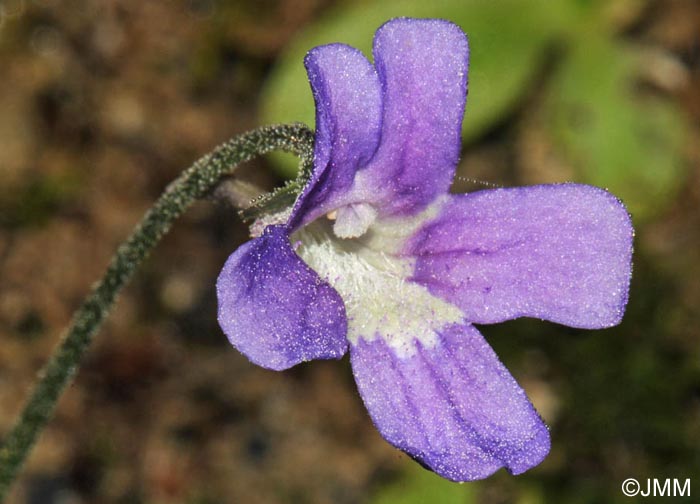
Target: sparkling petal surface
<point>453,407</point>
<point>275,309</point>
<point>348,118</point>
<point>422,66</point>
<point>415,266</point>
<point>556,252</point>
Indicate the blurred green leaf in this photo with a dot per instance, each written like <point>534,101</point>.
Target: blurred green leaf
<point>608,15</point>
<point>507,38</point>
<point>37,199</point>
<point>613,134</point>
<point>420,486</point>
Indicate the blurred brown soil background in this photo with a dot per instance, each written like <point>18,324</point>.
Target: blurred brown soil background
<point>102,103</point>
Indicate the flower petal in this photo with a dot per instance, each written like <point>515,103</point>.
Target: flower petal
<point>453,407</point>
<point>422,65</point>
<point>557,252</point>
<point>348,118</point>
<point>275,309</point>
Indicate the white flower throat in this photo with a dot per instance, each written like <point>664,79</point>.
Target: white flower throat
<point>380,301</point>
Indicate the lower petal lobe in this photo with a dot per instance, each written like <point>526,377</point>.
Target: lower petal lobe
<point>275,309</point>
<point>453,407</point>
<point>557,252</point>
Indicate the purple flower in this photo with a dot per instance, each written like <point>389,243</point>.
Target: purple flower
<point>376,257</point>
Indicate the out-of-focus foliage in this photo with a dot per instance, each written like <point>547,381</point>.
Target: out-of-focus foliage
<point>418,486</point>
<point>599,123</point>
<point>612,135</point>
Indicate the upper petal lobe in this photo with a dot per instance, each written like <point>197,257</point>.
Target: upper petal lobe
<point>275,309</point>
<point>556,252</point>
<point>348,118</point>
<point>422,66</point>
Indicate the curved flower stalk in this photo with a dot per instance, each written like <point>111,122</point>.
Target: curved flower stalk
<point>375,257</point>
<point>194,183</point>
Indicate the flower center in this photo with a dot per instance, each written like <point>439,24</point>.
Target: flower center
<point>380,300</point>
